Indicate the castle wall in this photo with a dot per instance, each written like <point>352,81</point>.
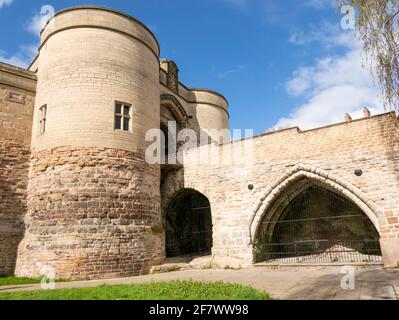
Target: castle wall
<point>17,94</point>
<point>94,205</point>
<point>93,202</point>
<point>327,155</point>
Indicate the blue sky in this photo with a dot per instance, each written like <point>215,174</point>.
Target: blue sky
<point>279,63</point>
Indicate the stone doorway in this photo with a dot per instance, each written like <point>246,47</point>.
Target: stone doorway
<point>318,226</point>
<point>188,224</point>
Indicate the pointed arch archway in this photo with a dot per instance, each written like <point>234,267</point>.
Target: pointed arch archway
<point>295,196</point>
<point>171,102</point>
<point>174,118</point>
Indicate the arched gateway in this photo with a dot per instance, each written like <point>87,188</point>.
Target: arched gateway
<point>188,224</point>
<point>308,218</point>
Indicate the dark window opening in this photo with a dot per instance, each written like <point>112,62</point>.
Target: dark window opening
<point>42,119</point>
<point>164,144</point>
<point>122,117</point>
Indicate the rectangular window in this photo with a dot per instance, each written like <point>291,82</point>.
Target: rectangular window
<point>15,97</point>
<point>42,119</point>
<point>122,116</point>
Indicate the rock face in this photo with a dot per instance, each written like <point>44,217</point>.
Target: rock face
<point>92,213</point>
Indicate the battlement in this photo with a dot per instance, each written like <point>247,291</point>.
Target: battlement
<point>376,119</point>
<point>373,136</point>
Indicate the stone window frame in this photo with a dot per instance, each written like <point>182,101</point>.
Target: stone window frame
<point>42,119</point>
<point>123,116</point>
<point>14,96</point>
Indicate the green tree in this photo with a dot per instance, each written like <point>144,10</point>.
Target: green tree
<point>377,25</point>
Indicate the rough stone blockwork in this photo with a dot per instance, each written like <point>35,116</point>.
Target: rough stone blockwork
<point>328,156</point>
<point>16,107</point>
<point>92,213</point>
<point>14,163</point>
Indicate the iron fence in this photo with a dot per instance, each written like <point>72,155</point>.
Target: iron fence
<point>319,226</point>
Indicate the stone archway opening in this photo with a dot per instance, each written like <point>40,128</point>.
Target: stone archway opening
<point>316,225</point>
<point>188,224</point>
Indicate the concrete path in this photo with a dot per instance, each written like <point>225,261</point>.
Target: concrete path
<point>309,283</point>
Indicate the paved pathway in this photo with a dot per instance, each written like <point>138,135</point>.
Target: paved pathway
<point>284,283</point>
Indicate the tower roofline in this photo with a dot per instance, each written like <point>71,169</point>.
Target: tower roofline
<point>101,8</point>
<point>210,91</point>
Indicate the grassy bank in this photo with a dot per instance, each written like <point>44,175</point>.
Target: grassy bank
<point>11,281</point>
<point>176,290</point>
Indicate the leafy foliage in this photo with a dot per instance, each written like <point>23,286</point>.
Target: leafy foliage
<point>378,28</point>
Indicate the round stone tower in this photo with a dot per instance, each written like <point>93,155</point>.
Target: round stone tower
<point>93,201</point>
<point>211,109</point>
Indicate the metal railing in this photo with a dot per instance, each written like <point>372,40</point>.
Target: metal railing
<point>319,226</point>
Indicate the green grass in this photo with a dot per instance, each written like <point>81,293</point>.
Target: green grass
<point>11,281</point>
<point>6,281</point>
<point>176,290</point>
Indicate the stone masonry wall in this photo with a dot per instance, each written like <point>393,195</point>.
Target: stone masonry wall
<point>330,154</point>
<point>92,213</point>
<point>14,160</point>
<point>16,109</point>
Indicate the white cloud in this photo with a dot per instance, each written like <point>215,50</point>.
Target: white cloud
<point>331,87</point>
<point>39,20</point>
<point>327,33</point>
<point>225,74</point>
<point>330,105</point>
<point>329,72</point>
<point>4,3</point>
<point>26,53</point>
<point>15,60</point>
<point>35,24</point>
<point>22,58</point>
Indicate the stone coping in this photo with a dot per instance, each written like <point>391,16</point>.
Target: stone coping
<point>210,91</point>
<point>17,71</point>
<point>102,8</point>
<point>297,130</point>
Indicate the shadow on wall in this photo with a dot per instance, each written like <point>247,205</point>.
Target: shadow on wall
<point>13,183</point>
<point>172,180</point>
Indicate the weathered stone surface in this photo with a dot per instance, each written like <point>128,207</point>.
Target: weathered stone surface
<point>327,156</point>
<point>14,163</point>
<point>94,204</point>
<point>92,222</point>
<point>16,109</point>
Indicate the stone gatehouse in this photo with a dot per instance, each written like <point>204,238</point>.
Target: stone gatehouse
<point>77,194</point>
